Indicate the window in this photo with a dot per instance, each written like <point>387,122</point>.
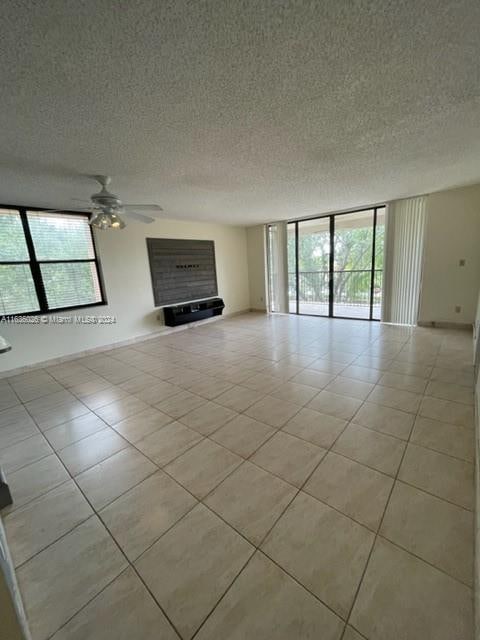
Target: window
<point>335,264</point>
<point>47,262</point>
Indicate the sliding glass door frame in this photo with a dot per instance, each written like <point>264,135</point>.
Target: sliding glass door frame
<point>331,295</point>
<point>297,271</point>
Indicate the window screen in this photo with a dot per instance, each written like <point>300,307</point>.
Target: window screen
<point>47,262</point>
<point>70,284</point>
<point>17,288</point>
<point>60,236</point>
<point>12,239</point>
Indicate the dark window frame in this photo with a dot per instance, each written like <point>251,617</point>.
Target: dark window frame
<point>35,269</point>
<point>332,216</point>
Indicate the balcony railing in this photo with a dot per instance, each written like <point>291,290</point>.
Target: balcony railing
<point>351,289</point>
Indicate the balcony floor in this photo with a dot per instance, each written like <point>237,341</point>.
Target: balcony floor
<point>340,310</point>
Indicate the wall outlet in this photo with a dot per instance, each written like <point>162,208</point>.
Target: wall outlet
<point>458,309</point>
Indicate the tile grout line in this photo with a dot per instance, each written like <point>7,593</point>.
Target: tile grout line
<point>258,547</point>
<point>243,459</point>
<point>379,529</point>
<point>259,550</point>
<point>96,514</point>
<point>271,529</point>
<point>275,432</point>
<point>357,591</point>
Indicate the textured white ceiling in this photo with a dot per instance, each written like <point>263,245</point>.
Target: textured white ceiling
<point>238,111</point>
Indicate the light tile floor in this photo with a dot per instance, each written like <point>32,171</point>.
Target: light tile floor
<point>260,477</point>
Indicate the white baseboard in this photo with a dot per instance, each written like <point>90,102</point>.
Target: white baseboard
<point>445,325</point>
<point>163,331</point>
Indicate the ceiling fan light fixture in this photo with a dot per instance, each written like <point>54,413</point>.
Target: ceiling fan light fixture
<point>116,221</point>
<point>107,211</point>
<point>107,220</point>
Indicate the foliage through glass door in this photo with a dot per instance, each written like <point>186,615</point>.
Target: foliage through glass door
<point>335,265</point>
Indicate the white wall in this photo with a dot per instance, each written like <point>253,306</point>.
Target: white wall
<point>257,267</point>
<point>477,472</point>
<point>123,255</point>
<point>452,233</point>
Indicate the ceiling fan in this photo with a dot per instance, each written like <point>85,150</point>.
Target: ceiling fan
<point>108,210</point>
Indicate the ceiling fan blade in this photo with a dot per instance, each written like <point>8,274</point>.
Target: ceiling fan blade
<point>138,216</point>
<point>142,207</point>
<point>82,200</point>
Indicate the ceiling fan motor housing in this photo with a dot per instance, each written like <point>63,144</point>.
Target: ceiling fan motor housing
<point>106,200</point>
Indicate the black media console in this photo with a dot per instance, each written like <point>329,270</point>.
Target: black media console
<point>193,311</point>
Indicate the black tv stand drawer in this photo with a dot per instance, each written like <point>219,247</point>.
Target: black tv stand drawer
<point>193,311</point>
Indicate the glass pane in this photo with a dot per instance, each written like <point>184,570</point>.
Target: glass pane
<point>13,247</point>
<point>292,267</point>
<point>379,252</point>
<point>17,291</point>
<point>313,266</point>
<point>353,242</point>
<point>272,271</point>
<point>71,284</point>
<point>60,236</point>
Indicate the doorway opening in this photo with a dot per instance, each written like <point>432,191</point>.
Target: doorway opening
<point>335,265</point>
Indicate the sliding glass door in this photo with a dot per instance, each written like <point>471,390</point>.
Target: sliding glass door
<point>378,256</point>
<point>309,253</point>
<point>335,265</point>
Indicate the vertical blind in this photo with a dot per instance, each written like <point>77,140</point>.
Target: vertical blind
<point>278,267</point>
<point>404,257</point>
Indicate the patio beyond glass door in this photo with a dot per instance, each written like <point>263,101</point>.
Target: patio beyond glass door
<point>335,265</point>
<point>309,249</point>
